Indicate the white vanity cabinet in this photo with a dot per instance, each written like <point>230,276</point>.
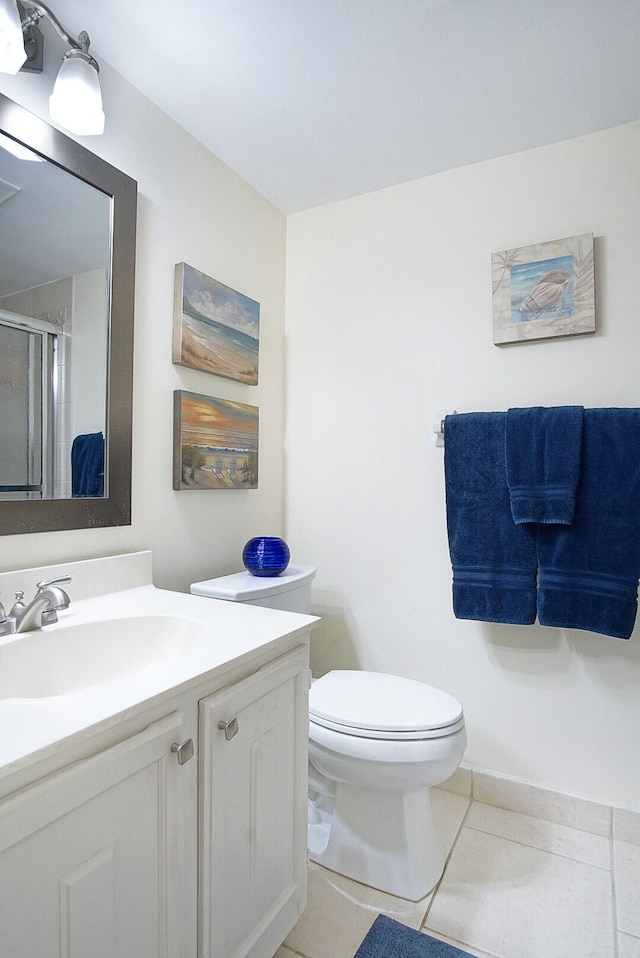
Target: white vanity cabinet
<point>89,855</point>
<point>253,810</point>
<point>139,849</point>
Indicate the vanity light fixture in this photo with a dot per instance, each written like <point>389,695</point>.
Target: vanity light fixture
<point>76,100</point>
<point>12,51</point>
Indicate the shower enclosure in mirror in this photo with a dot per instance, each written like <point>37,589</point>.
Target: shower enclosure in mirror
<point>27,397</point>
<point>67,241</point>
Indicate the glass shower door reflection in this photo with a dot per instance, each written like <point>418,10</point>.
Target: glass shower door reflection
<point>26,405</point>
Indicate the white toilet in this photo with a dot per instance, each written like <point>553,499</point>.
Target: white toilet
<point>377,744</point>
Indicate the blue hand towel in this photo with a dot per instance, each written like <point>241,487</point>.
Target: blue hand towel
<point>588,572</point>
<point>87,466</point>
<point>543,448</point>
<point>493,559</point>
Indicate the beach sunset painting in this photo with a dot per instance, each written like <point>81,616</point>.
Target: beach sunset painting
<point>215,328</point>
<point>215,443</point>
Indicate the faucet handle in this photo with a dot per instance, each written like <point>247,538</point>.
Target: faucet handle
<point>46,583</point>
<point>18,608</point>
<point>7,624</point>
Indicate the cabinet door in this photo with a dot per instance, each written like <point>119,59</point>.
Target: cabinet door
<point>86,856</point>
<point>253,808</point>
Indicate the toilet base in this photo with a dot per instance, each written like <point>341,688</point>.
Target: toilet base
<point>382,838</point>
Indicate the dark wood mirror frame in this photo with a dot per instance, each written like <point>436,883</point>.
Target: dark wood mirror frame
<point>49,515</point>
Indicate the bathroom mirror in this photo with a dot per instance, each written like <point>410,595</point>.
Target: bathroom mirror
<point>67,241</point>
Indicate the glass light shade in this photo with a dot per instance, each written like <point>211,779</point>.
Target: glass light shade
<point>76,101</point>
<point>12,52</point>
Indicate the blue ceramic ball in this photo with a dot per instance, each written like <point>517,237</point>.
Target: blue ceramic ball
<point>266,555</point>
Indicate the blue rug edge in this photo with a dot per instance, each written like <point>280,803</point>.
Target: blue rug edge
<point>388,938</point>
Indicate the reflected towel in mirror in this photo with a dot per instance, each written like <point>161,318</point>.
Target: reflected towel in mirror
<point>87,466</point>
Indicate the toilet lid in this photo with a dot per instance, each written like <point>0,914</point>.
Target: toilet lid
<point>378,705</point>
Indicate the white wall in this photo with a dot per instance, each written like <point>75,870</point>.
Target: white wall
<point>194,209</point>
<point>389,319</point>
<point>88,353</point>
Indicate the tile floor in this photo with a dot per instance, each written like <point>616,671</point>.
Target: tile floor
<point>514,887</point>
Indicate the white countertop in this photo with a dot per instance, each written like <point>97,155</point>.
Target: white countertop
<point>228,633</point>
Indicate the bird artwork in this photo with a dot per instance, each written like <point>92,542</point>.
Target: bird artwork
<point>547,292</point>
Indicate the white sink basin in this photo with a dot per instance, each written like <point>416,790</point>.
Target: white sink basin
<point>61,659</point>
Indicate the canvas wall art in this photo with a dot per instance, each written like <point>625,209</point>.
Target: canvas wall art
<point>215,328</point>
<point>215,443</point>
<point>544,290</point>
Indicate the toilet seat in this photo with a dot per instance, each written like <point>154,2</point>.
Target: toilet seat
<point>380,706</point>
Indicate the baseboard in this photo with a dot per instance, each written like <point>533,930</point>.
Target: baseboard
<point>610,821</point>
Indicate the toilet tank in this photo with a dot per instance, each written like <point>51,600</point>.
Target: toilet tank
<point>289,591</point>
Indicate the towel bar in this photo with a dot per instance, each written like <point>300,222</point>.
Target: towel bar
<point>438,424</point>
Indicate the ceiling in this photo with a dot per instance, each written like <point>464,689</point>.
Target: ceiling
<point>313,101</point>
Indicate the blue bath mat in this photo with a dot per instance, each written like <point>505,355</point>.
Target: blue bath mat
<point>389,939</point>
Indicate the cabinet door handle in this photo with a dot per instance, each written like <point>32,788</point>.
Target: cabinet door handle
<point>229,728</point>
<point>184,751</point>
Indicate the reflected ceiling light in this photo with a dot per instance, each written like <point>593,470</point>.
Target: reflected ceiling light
<point>18,150</point>
<point>76,100</point>
<point>12,51</point>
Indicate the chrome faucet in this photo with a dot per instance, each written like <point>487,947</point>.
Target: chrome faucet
<point>42,610</point>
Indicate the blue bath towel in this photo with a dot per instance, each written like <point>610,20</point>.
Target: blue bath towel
<point>493,559</point>
<point>543,448</point>
<point>87,466</point>
<point>588,571</point>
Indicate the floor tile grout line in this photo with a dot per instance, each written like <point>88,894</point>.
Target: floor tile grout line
<point>458,943</point>
<point>294,951</point>
<point>614,896</point>
<point>547,851</point>
<point>513,810</point>
<point>463,945</point>
<point>436,887</point>
<point>463,824</point>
